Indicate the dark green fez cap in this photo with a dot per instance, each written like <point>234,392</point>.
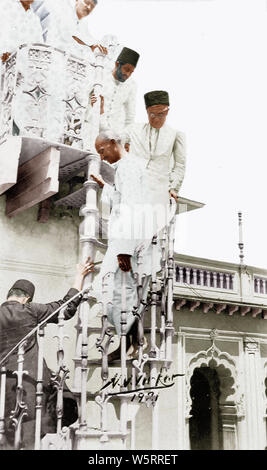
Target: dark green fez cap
<point>156,97</point>
<point>128,56</point>
<point>26,286</point>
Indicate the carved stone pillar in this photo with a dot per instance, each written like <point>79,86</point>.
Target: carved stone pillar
<point>253,395</point>
<point>228,415</point>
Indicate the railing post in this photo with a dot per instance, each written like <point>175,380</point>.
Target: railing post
<point>123,328</point>
<point>155,410</point>
<point>103,347</point>
<point>169,331</point>
<point>107,291</point>
<point>20,410</point>
<point>39,390</point>
<point>153,347</point>
<point>97,87</point>
<point>88,240</point>
<point>2,406</point>
<point>58,380</point>
<point>141,303</point>
<point>164,293</point>
<point>123,413</point>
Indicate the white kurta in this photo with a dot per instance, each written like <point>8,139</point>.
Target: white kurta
<point>119,103</point>
<point>119,106</point>
<point>63,24</point>
<point>125,237</point>
<point>162,152</point>
<point>18,26</point>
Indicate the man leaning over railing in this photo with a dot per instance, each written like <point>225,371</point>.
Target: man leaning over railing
<point>129,236</point>
<point>68,28</point>
<point>18,317</point>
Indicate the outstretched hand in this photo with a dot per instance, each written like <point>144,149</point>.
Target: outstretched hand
<point>5,56</point>
<point>98,179</point>
<point>124,262</point>
<point>173,194</point>
<point>82,269</point>
<point>93,100</point>
<point>101,48</point>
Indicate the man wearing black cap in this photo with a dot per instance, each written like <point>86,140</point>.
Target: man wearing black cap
<point>162,150</point>
<point>18,317</point>
<point>118,94</point>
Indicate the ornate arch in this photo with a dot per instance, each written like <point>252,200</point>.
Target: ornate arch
<point>226,369</point>
<point>264,386</point>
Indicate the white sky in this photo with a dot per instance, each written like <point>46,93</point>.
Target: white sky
<point>211,57</point>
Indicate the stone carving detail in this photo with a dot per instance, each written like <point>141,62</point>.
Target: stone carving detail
<point>7,91</point>
<point>264,388</point>
<point>240,406</point>
<point>189,276</point>
<point>213,335</point>
<point>251,346</point>
<point>76,100</point>
<point>44,93</point>
<point>226,368</point>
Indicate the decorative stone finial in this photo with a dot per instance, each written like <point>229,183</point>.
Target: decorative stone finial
<point>240,243</point>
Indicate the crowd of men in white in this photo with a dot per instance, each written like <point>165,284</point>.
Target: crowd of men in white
<point>148,158</point>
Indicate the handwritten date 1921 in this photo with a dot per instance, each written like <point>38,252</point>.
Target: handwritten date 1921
<point>149,398</point>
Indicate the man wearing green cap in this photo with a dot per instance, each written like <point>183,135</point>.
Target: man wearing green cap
<point>118,98</point>
<point>18,317</point>
<point>162,150</point>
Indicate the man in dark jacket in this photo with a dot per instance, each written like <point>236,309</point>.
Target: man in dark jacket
<point>18,317</point>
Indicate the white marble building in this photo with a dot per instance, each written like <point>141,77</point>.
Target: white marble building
<point>219,342</point>
<point>210,331</point>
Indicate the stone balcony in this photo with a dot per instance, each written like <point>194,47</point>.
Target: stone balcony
<point>220,284</point>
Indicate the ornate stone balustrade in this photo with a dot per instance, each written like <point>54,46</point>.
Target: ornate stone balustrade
<point>44,93</point>
<point>260,285</point>
<point>190,276</point>
<point>222,282</point>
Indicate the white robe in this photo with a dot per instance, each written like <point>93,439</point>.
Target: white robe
<point>126,236</point>
<point>119,106</point>
<point>63,24</point>
<point>18,26</point>
<point>162,152</point>
<point>119,103</point>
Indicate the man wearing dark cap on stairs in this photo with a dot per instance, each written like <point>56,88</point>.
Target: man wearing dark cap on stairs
<point>18,317</point>
<point>118,96</point>
<point>162,150</point>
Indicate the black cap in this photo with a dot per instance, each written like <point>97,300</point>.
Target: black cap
<point>26,286</point>
<point>153,98</point>
<point>128,56</point>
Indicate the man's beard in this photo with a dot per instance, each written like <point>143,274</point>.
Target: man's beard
<point>119,74</point>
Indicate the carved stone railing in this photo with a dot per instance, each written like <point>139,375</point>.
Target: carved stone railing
<point>197,277</point>
<point>260,285</point>
<point>44,93</point>
<point>154,314</point>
